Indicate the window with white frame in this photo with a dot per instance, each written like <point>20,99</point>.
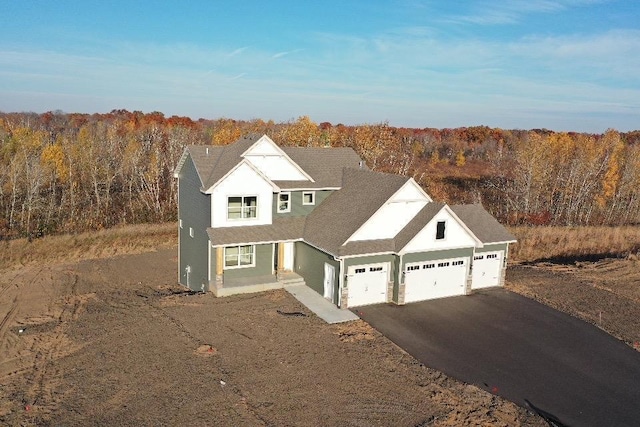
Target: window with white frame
<point>308,197</point>
<point>239,256</point>
<point>284,202</point>
<point>440,230</point>
<point>242,207</point>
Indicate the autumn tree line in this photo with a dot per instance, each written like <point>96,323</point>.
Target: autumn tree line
<point>75,172</point>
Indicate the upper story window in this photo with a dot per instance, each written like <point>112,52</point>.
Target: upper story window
<point>284,202</point>
<point>242,207</point>
<point>308,197</point>
<point>440,229</point>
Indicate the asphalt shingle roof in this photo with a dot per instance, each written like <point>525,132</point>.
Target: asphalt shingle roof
<point>290,228</point>
<point>482,224</point>
<point>324,165</point>
<point>417,223</point>
<point>363,192</point>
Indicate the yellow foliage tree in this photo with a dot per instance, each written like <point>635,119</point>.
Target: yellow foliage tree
<point>225,132</point>
<point>461,160</point>
<point>612,175</point>
<point>53,160</point>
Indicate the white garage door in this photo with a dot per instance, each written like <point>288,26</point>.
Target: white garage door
<point>435,279</point>
<point>487,267</point>
<point>367,284</point>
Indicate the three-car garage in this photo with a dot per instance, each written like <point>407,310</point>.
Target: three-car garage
<point>434,277</point>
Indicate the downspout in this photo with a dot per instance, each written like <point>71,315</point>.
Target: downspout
<point>400,279</point>
<point>340,282</point>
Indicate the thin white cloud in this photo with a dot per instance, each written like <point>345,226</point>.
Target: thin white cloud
<point>498,12</point>
<point>281,54</point>
<point>238,51</point>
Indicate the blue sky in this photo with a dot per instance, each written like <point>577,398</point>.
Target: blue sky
<point>555,64</point>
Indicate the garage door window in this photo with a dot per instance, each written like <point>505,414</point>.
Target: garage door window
<point>413,267</point>
<point>360,270</point>
<point>443,264</point>
<point>429,266</point>
<point>458,262</point>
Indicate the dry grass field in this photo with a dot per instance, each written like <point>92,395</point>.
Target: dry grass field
<point>535,244</point>
<point>569,244</point>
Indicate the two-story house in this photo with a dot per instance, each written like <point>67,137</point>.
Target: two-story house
<point>255,216</point>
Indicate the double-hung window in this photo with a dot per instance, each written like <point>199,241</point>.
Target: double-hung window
<point>284,202</point>
<point>242,207</point>
<point>239,256</point>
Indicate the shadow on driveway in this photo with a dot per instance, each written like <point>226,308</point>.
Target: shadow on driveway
<point>524,351</point>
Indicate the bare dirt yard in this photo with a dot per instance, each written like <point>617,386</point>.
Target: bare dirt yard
<point>114,341</point>
<point>605,293</point>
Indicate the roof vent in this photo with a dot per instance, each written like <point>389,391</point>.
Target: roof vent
<point>361,164</point>
<point>207,150</point>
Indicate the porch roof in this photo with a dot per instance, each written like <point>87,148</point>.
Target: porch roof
<point>281,230</point>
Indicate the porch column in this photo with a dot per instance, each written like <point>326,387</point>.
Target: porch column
<point>280,260</point>
<point>219,266</point>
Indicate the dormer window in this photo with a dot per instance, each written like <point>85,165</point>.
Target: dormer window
<point>284,202</point>
<point>440,230</point>
<point>242,207</point>
<point>308,197</point>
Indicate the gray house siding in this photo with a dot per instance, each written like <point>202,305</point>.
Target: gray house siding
<point>297,208</point>
<point>492,248</point>
<point>263,267</point>
<point>309,264</point>
<point>194,211</point>
<point>436,255</point>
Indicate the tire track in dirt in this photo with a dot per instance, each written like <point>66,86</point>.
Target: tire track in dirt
<point>51,347</point>
<point>8,318</point>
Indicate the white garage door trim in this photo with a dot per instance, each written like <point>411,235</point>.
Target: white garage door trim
<point>367,284</point>
<point>487,267</point>
<point>426,280</point>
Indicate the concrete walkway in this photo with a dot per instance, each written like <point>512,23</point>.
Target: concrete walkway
<point>320,306</point>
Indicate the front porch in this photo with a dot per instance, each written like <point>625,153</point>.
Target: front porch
<point>249,285</point>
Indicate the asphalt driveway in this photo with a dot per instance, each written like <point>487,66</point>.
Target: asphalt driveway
<point>521,350</point>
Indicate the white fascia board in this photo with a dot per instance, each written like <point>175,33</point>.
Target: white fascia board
<point>478,241</point>
<point>429,199</point>
<point>276,189</point>
<point>279,150</point>
<point>255,243</point>
<point>308,188</point>
<point>181,162</point>
<point>500,243</point>
<point>368,254</point>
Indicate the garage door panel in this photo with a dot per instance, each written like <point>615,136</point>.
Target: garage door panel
<point>435,279</point>
<point>367,284</point>
<point>487,268</point>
